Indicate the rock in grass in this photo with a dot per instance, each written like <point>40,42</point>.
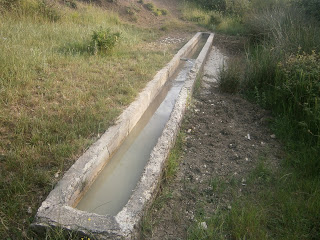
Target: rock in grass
<point>203,225</point>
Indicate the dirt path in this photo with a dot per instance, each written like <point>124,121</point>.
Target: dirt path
<point>226,137</point>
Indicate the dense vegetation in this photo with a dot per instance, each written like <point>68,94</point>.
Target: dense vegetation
<point>281,73</point>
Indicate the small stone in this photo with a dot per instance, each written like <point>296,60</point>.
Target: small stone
<point>247,159</point>
<point>273,136</point>
<point>56,175</point>
<point>248,136</point>
<point>189,130</point>
<point>262,143</point>
<point>203,225</point>
<point>29,210</point>
<point>229,207</point>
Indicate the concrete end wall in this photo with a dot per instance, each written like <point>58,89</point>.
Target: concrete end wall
<point>57,210</point>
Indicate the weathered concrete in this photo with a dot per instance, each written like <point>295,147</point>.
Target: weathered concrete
<point>215,63</point>
<point>57,209</point>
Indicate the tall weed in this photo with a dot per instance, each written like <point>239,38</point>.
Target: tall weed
<point>283,75</point>
<point>103,40</point>
<point>298,87</point>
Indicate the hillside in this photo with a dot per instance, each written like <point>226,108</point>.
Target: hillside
<point>63,83</point>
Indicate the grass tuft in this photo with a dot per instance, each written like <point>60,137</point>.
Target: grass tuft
<point>230,78</point>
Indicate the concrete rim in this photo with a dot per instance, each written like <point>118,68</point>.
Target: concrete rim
<point>57,209</point>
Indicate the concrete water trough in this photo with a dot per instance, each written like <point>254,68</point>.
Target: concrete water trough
<point>107,190</point>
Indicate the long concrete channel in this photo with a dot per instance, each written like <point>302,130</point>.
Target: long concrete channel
<point>108,189</point>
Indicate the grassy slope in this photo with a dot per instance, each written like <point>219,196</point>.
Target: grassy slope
<point>57,98</point>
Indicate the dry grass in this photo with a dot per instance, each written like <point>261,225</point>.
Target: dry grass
<point>57,98</point>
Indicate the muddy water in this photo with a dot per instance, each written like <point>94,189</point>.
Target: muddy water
<point>114,185</point>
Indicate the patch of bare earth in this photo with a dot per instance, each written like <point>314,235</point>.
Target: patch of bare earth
<point>135,12</point>
<point>226,136</point>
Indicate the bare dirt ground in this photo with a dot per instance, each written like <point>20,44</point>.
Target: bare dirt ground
<point>135,12</point>
<point>225,138</point>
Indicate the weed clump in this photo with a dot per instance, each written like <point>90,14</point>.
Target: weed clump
<point>130,11</point>
<point>104,41</point>
<point>229,79</point>
<point>71,4</point>
<point>297,87</point>
<point>150,6</point>
<point>156,11</point>
<point>164,11</point>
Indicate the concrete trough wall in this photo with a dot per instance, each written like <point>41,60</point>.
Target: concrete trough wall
<point>58,209</point>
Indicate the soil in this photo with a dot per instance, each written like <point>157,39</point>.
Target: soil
<point>225,137</point>
<point>136,13</point>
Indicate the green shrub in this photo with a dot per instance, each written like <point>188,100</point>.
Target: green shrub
<point>71,3</point>
<point>215,18</point>
<point>164,12</point>
<point>157,12</point>
<point>298,88</point>
<point>220,5</point>
<point>150,6</point>
<point>286,81</point>
<point>238,8</point>
<point>230,78</point>
<point>104,40</point>
<point>130,11</point>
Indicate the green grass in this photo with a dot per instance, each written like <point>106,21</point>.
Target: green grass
<point>170,170</point>
<point>156,11</point>
<point>229,77</point>
<point>212,20</point>
<point>281,74</point>
<point>173,160</point>
<point>283,206</point>
<point>57,97</point>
